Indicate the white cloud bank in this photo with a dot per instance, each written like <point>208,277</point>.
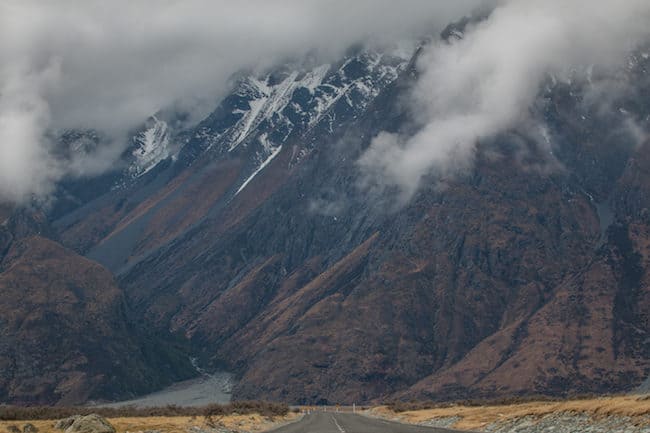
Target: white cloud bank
<point>107,65</point>
<point>485,83</point>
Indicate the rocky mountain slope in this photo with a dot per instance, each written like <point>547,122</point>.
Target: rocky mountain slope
<point>251,234</point>
<point>66,335</point>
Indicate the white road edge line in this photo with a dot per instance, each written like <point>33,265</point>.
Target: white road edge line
<point>337,425</point>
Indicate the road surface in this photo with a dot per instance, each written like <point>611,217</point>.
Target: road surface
<point>333,422</point>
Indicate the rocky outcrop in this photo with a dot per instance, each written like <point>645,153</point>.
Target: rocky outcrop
<point>92,423</point>
<point>64,423</point>
<point>30,428</point>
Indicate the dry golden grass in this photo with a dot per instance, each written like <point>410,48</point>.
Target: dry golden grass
<point>179,424</point>
<point>478,417</point>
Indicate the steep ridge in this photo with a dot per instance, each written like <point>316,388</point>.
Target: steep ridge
<point>597,317</point>
<point>258,244</point>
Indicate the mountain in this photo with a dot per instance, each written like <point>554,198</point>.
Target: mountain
<point>66,332</point>
<point>252,236</point>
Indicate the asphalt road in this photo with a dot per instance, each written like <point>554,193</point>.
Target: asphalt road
<point>333,422</point>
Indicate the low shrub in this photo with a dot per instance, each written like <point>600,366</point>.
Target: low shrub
<point>269,409</point>
<point>404,406</point>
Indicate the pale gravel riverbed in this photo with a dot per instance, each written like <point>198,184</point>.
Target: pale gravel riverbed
<point>204,390</point>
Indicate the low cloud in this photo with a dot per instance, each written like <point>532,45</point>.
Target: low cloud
<point>25,165</point>
<point>79,64</point>
<point>486,83</point>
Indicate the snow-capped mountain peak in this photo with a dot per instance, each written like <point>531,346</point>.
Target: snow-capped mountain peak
<point>264,112</point>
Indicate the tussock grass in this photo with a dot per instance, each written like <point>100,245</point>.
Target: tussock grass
<point>253,423</point>
<point>408,406</point>
<point>474,416</point>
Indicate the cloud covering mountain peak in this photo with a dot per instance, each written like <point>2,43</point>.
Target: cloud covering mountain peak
<point>486,82</point>
<point>107,66</point>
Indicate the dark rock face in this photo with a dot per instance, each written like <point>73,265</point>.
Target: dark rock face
<point>523,275</point>
<point>66,336</point>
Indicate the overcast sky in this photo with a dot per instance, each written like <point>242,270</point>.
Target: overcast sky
<point>108,65</point>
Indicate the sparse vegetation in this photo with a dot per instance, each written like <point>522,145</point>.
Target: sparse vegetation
<point>414,405</point>
<point>268,409</point>
<point>474,415</point>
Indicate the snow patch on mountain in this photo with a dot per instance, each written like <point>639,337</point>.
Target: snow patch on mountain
<point>271,100</point>
<point>265,112</point>
<point>151,146</point>
<point>274,99</point>
<point>314,78</point>
<point>283,110</point>
<point>274,151</point>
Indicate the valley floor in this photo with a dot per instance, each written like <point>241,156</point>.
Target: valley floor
<point>625,414</point>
